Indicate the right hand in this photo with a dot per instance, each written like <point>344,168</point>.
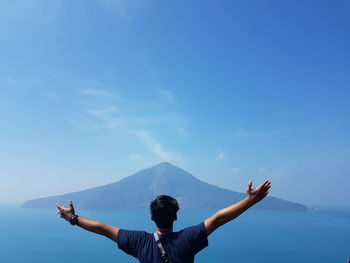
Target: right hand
<point>66,213</point>
<point>259,193</point>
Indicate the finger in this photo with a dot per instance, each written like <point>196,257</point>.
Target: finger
<point>260,186</point>
<point>250,183</point>
<point>59,207</point>
<point>72,207</point>
<point>263,187</point>
<point>266,184</point>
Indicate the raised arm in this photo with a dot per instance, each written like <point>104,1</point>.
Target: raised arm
<point>88,224</point>
<point>229,213</point>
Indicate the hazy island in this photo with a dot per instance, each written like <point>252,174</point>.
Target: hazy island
<point>137,190</point>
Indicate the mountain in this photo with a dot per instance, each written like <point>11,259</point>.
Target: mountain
<point>137,190</point>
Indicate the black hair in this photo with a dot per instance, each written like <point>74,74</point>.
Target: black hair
<point>163,210</point>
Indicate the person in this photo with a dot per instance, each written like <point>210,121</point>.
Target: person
<point>178,247</point>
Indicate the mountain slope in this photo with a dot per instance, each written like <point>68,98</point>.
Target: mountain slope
<point>136,191</point>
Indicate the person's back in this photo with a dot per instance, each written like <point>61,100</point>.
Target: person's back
<point>179,247</point>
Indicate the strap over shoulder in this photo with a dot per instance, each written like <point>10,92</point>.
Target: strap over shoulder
<point>163,254</point>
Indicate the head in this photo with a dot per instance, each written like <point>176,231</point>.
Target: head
<point>163,211</point>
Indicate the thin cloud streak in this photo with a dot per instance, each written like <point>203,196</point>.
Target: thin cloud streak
<point>263,169</point>
<point>101,113</point>
<point>167,94</point>
<point>104,115</point>
<point>95,92</point>
<point>153,146</point>
<point>260,134</point>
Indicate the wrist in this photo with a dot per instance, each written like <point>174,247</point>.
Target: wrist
<point>73,220</point>
<point>249,201</point>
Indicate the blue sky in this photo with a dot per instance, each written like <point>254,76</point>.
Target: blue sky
<point>93,91</point>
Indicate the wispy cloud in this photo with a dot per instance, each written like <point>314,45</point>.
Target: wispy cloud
<point>236,170</point>
<point>154,146</point>
<point>166,94</point>
<point>102,113</point>
<point>220,154</point>
<point>263,169</point>
<point>52,95</point>
<point>95,92</point>
<point>182,131</point>
<point>133,156</point>
<point>151,144</point>
<point>83,125</point>
<point>260,133</point>
<point>23,82</point>
<point>108,118</point>
<point>107,110</point>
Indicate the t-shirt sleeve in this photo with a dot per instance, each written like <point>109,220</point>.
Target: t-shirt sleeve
<point>130,241</point>
<point>196,237</point>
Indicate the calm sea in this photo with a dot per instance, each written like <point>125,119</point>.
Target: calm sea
<point>28,236</point>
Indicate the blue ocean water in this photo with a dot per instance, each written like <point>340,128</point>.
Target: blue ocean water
<point>39,236</point>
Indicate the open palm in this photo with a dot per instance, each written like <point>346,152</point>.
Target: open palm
<point>259,193</point>
<point>66,213</point>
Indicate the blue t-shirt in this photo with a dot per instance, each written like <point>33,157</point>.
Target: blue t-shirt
<point>181,246</point>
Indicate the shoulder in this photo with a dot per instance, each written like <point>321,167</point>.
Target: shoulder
<point>131,236</point>
<point>196,229</point>
<point>194,233</point>
<point>125,235</point>
<point>194,237</point>
<point>130,241</point>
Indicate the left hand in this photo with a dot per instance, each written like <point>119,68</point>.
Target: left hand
<point>66,213</point>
